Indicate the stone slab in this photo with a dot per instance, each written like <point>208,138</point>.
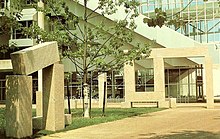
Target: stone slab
<point>18,106</point>
<point>68,119</point>
<point>34,58</point>
<point>53,97</point>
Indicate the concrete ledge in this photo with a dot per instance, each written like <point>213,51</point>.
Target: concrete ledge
<point>68,119</point>
<point>73,103</point>
<point>5,65</point>
<point>163,104</point>
<point>125,104</point>
<point>37,122</point>
<point>34,58</point>
<point>210,106</point>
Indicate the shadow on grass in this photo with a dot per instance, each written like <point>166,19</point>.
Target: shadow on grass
<point>182,135</point>
<point>3,135</point>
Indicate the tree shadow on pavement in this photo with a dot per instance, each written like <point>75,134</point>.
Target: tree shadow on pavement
<point>182,135</point>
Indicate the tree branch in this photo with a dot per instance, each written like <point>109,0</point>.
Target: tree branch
<point>64,25</point>
<point>73,60</point>
<point>83,35</point>
<point>92,12</point>
<point>95,55</point>
<point>94,16</point>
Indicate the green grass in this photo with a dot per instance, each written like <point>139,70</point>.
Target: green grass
<point>111,114</point>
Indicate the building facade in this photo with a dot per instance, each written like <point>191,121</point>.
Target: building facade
<point>198,20</point>
<point>183,76</point>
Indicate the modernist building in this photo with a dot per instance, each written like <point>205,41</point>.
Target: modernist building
<point>183,60</point>
<point>199,21</point>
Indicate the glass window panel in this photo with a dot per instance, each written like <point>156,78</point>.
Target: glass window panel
<point>151,8</point>
<point>144,8</point>
<point>185,3</point>
<point>211,38</point>
<point>151,2</point>
<point>165,7</point>
<point>200,2</point>
<point>144,80</point>
<point>193,3</point>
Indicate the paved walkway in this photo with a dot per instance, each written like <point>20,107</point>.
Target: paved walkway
<point>179,123</point>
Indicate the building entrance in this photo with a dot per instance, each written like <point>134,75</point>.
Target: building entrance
<point>185,84</point>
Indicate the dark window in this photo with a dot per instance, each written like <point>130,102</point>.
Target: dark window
<point>17,33</point>
<point>2,4</point>
<point>29,1</point>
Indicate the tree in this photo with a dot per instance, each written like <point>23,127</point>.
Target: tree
<point>91,46</point>
<point>9,16</point>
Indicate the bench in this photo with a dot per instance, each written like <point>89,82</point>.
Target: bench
<point>157,103</point>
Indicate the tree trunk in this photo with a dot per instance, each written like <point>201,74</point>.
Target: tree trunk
<point>85,70</point>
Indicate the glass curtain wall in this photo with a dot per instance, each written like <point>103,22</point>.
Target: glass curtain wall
<point>115,85</point>
<point>201,20</point>
<point>184,83</point>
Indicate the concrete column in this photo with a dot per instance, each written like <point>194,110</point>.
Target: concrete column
<point>40,15</point>
<point>129,81</point>
<point>53,97</point>
<point>40,21</point>
<point>39,103</point>
<point>101,79</point>
<point>18,106</point>
<point>209,82</point>
<point>113,83</point>
<point>159,81</point>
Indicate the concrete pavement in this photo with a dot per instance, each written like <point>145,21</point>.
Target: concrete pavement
<point>179,123</point>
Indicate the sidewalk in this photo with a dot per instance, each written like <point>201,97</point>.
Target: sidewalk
<point>179,123</point>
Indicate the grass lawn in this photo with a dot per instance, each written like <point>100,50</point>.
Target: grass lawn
<point>111,114</point>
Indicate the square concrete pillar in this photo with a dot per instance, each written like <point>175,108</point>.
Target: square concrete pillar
<point>18,106</point>
<point>53,97</point>
<point>159,79</point>
<point>129,81</point>
<point>101,80</point>
<point>172,102</point>
<point>39,103</point>
<point>209,82</point>
<point>163,104</point>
